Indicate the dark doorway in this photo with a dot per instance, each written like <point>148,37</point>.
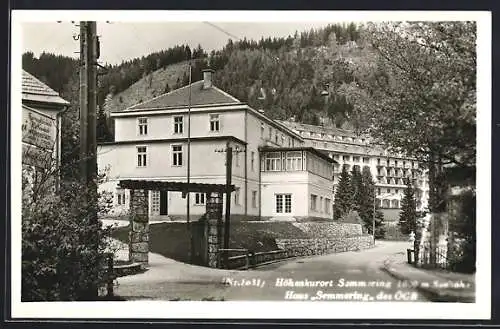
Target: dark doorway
<point>163,202</point>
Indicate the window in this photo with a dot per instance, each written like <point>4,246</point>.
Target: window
<point>355,159</point>
<point>320,203</point>
<point>177,155</point>
<point>397,191</point>
<point>346,158</point>
<point>396,163</point>
<point>282,140</point>
<point>294,161</point>
<point>155,202</point>
<point>283,203</point>
<point>237,159</point>
<point>199,199</point>
<point>273,161</point>
<point>141,156</point>
<point>314,200</point>
<point>120,196</point>
<point>378,191</point>
<point>388,190</point>
<point>252,160</point>
<point>262,130</point>
<point>276,138</point>
<point>270,133</point>
<point>214,122</point>
<point>328,206</point>
<point>326,145</point>
<point>143,126</point>
<point>254,199</point>
<point>289,142</point>
<point>378,161</point>
<point>178,124</point>
<point>366,160</point>
<point>237,196</point>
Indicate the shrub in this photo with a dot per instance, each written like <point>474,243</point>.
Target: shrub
<point>63,247</point>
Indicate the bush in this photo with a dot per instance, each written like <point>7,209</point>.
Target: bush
<point>352,217</point>
<point>462,239</point>
<point>63,248</point>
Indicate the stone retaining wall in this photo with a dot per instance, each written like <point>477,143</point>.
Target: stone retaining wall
<point>308,247</point>
<point>330,229</point>
<point>302,247</point>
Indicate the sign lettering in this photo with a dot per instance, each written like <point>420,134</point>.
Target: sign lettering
<point>38,130</point>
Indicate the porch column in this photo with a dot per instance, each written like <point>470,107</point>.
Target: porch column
<point>214,222</point>
<point>139,226</point>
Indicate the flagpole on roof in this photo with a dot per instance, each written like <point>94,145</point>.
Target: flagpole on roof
<point>189,226</point>
<point>189,142</point>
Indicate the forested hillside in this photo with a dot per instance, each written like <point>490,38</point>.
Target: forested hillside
<point>294,76</point>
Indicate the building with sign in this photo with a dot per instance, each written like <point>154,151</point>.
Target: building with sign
<point>41,126</point>
<point>273,173</point>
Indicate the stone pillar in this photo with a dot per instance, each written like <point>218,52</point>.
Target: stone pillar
<point>214,222</point>
<point>139,226</point>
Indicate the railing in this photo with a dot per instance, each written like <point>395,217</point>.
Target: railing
<point>434,257</point>
<point>250,259</point>
<point>233,258</point>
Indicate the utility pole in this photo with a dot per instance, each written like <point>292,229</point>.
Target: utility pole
<point>88,145</point>
<point>373,219</point>
<point>229,167</point>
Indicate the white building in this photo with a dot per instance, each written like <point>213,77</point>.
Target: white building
<point>272,170</point>
<point>389,171</point>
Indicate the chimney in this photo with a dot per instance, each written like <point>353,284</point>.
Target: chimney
<point>207,78</point>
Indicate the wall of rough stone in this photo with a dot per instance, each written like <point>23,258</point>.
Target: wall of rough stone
<point>330,230</point>
<point>320,246</point>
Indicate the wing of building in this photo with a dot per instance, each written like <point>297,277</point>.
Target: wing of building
<point>388,170</point>
<point>274,172</point>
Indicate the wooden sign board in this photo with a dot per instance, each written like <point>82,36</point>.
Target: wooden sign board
<point>38,129</point>
<point>38,157</point>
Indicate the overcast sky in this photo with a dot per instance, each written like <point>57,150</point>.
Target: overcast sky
<point>124,41</point>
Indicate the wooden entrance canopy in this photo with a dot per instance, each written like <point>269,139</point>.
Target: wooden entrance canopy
<point>174,186</point>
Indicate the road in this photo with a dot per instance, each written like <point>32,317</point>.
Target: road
<point>348,276</point>
<point>352,274</point>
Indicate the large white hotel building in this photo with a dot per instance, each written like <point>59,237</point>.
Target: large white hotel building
<point>279,169</point>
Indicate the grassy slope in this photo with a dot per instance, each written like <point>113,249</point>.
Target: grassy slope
<point>172,239</point>
<point>148,87</point>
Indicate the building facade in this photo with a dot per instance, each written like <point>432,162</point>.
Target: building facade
<point>41,131</point>
<point>151,143</point>
<point>389,171</point>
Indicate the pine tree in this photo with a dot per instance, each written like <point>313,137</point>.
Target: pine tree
<point>408,215</point>
<point>379,225</point>
<point>343,196</point>
<point>366,198</point>
<point>357,189</point>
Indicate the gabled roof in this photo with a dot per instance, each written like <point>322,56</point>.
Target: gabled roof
<point>180,98</point>
<point>35,90</point>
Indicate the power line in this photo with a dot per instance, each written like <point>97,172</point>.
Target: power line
<point>273,58</point>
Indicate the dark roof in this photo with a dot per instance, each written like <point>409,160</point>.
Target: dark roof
<point>35,90</point>
<point>180,98</point>
<point>173,186</point>
<point>176,140</point>
<point>309,149</point>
